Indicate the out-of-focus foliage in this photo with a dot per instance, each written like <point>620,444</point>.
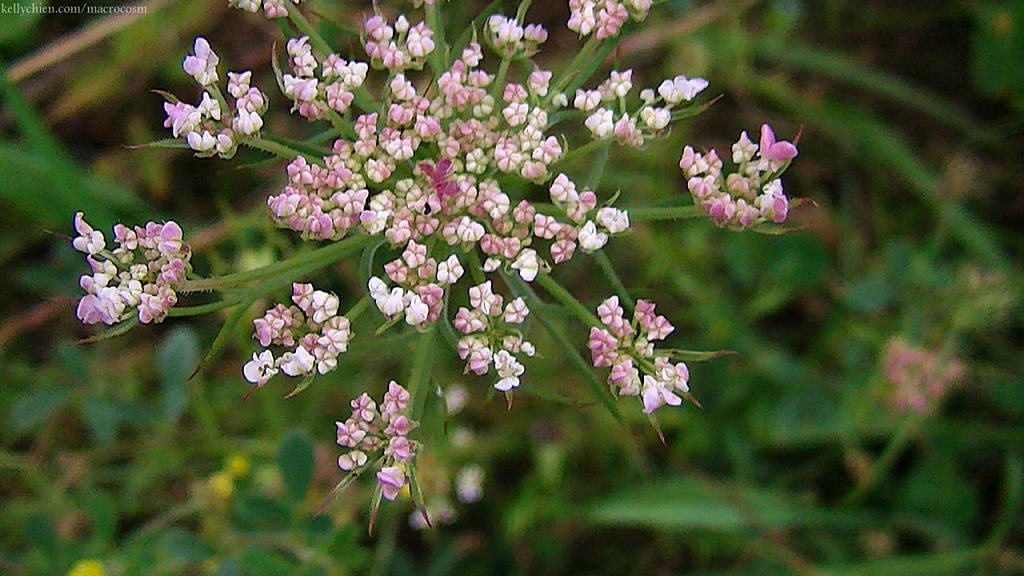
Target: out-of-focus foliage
<point>803,460</point>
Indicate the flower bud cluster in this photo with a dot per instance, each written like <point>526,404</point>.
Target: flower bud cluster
<point>315,94</point>
<point>397,46</point>
<point>919,377</point>
<point>384,429</point>
<point>604,18</point>
<point>585,226</point>
<point>628,348</point>
<point>421,281</point>
<point>311,329</point>
<point>320,202</point>
<point>211,128</point>
<point>609,117</point>
<point>510,39</point>
<point>272,8</point>
<point>492,335</point>
<point>143,273</point>
<point>750,195</point>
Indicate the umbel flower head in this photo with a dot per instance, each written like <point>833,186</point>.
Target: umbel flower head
<point>138,276</point>
<point>310,331</point>
<point>752,194</point>
<point>628,348</point>
<point>448,169</point>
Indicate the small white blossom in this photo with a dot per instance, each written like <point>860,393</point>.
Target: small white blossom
<point>613,219</point>
<point>527,264</point>
<point>416,310</point>
<point>681,88</point>
<point>449,271</point>
<point>201,142</point>
<point>590,239</point>
<point>509,370</point>
<point>297,363</point>
<point>586,100</point>
<point>620,83</point>
<point>655,118</point>
<point>601,123</point>
<point>260,369</point>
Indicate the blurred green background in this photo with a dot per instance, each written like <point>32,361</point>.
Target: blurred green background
<point>905,283</point>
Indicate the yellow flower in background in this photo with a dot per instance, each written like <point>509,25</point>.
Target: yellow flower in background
<point>87,568</point>
<point>222,485</point>
<point>238,465</point>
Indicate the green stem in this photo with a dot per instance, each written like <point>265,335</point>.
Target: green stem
<point>521,288</point>
<point>280,150</point>
<point>185,311</point>
<point>321,257</point>
<point>476,268</point>
<point>885,461</point>
<point>563,296</point>
<point>419,378</point>
<point>609,272</point>
<point>580,151</point>
<point>204,411</point>
<point>597,167</point>
<point>343,126</point>
<point>438,59</point>
<point>358,308</point>
<point>573,68</point>
<point>665,213</point>
<point>499,79</point>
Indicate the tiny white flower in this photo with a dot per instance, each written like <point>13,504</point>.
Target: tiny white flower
<point>393,304</point>
<point>247,122</point>
<point>297,363</point>
<point>260,369</point>
<point>325,306</point>
<point>201,142</point>
<point>527,264</point>
<point>590,239</point>
<point>620,83</point>
<point>416,310</point>
<point>586,100</point>
<point>613,219</point>
<point>449,271</point>
<point>601,123</point>
<point>209,106</point>
<point>656,118</point>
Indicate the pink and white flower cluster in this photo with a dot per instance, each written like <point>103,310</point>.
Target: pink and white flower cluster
<point>604,18</point>
<point>751,194</point>
<point>141,275</point>
<point>421,281</point>
<point>492,335</point>
<point>511,39</point>
<point>609,116</point>
<point>588,226</point>
<point>271,8</point>
<point>628,348</point>
<point>385,429</point>
<point>919,378</point>
<point>320,202</point>
<point>314,94</point>
<point>311,330</point>
<point>397,46</point>
<point>211,128</point>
